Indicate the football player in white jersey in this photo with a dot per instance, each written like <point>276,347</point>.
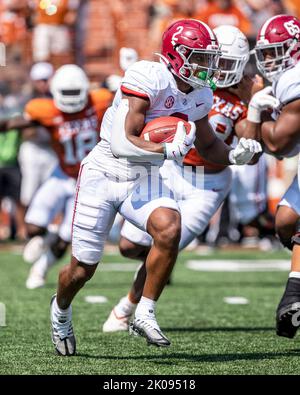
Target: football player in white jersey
<point>197,202</point>
<point>277,54</point>
<point>121,172</point>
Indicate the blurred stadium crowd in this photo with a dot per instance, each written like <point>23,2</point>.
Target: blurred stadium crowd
<point>104,38</point>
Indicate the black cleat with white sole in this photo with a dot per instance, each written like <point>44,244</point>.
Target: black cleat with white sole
<point>288,311</point>
<point>62,333</point>
<point>150,332</point>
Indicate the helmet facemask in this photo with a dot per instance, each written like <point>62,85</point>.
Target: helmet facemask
<point>70,87</point>
<point>199,67</point>
<point>231,70</point>
<point>71,100</point>
<point>278,57</point>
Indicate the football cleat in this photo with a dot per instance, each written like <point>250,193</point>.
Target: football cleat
<point>115,323</point>
<point>62,334</point>
<point>34,249</point>
<point>288,311</point>
<point>35,280</point>
<point>287,320</point>
<point>149,329</point>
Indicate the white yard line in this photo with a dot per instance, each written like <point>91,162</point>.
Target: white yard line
<point>235,300</point>
<point>118,267</point>
<point>239,265</point>
<point>95,299</point>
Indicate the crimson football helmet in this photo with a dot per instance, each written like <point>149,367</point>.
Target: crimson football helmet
<point>190,49</point>
<point>277,45</point>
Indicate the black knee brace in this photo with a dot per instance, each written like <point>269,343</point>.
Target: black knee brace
<point>58,247</point>
<point>287,243</point>
<point>296,237</point>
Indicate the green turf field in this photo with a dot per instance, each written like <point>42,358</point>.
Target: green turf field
<point>208,336</point>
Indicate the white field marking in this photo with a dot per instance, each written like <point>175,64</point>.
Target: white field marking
<point>2,314</point>
<point>239,265</point>
<point>118,267</point>
<point>95,299</point>
<point>202,251</point>
<point>111,252</point>
<point>235,300</point>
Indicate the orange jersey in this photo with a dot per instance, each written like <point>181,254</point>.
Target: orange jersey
<point>226,111</point>
<point>73,136</point>
<point>57,18</point>
<point>214,16</point>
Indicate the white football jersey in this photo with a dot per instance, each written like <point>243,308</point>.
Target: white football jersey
<point>155,82</point>
<point>287,89</point>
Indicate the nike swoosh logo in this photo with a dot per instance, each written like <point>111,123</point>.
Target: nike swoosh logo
<point>199,104</point>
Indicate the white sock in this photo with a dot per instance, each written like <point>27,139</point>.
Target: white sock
<point>125,307</point>
<point>145,308</point>
<point>294,275</point>
<point>58,312</point>
<point>42,265</point>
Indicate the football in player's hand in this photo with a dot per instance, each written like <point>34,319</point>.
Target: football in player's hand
<point>163,129</point>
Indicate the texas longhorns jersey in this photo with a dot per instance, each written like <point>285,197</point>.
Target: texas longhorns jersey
<point>226,111</point>
<point>73,136</point>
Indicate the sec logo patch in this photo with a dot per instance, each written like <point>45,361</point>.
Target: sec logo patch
<point>169,102</point>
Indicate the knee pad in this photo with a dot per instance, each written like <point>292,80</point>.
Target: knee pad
<point>34,230</point>
<point>58,247</point>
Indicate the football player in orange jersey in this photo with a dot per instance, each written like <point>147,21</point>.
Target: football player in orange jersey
<point>197,205</point>
<point>73,119</point>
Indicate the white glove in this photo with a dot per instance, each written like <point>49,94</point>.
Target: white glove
<point>181,144</point>
<point>244,151</point>
<point>259,102</point>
